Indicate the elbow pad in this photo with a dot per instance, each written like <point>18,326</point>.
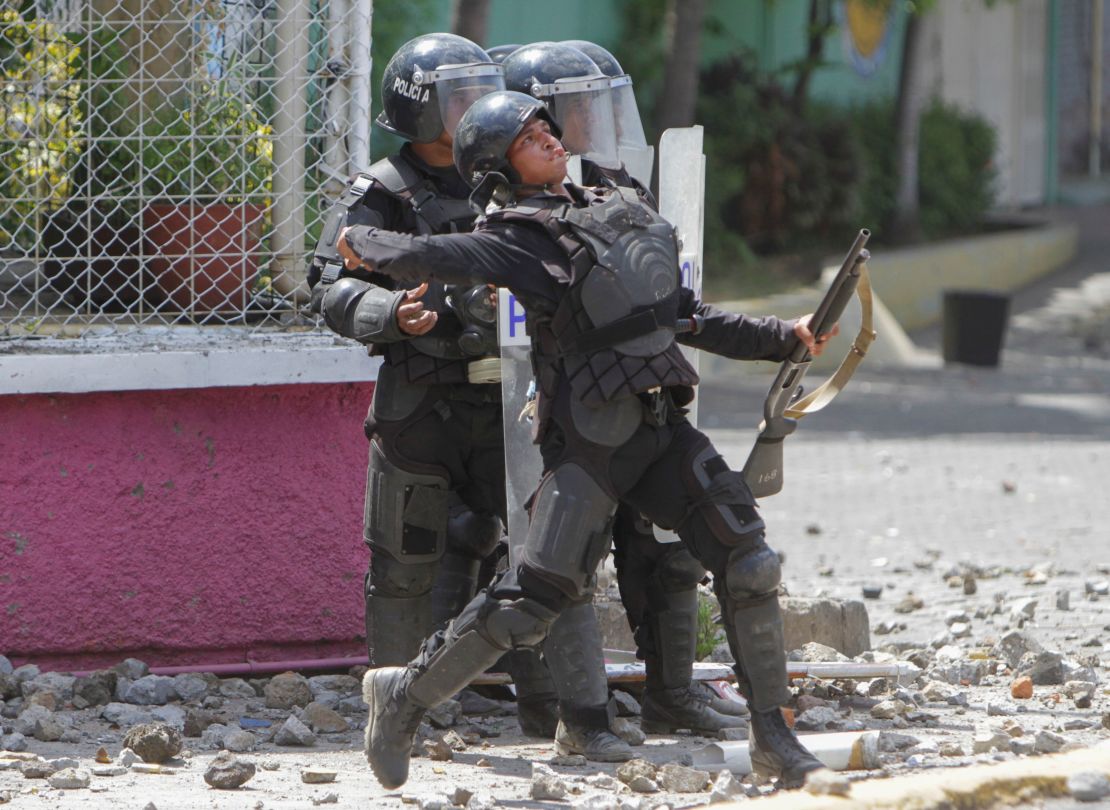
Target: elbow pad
<point>362,311</point>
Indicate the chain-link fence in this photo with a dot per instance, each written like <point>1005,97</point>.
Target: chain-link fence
<point>167,161</point>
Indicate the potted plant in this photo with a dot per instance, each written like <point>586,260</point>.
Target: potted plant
<point>207,161</point>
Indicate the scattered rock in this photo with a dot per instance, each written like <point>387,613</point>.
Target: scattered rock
<point>70,779</point>
<point>153,742</point>
<point>37,768</point>
<point>909,604</point>
<point>1048,742</point>
<point>226,772</point>
<point>987,740</point>
<point>150,690</point>
<point>239,740</point>
<point>726,787</point>
<point>841,624</point>
<point>888,709</point>
<point>676,778</point>
<point>1088,786</point>
<point>872,591</point>
<point>323,720</point>
<point>317,776</point>
<point>294,732</point>
<point>639,775</point>
<point>438,750</point>
<point>1022,689</point>
<point>444,715</point>
<point>825,782</point>
<point>546,784</point>
<point>287,690</point>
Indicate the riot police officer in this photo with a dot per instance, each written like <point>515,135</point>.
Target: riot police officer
<point>597,274</point>
<point>657,581</point>
<point>435,493</point>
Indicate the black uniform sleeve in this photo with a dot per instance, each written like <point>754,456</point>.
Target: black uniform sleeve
<point>736,336</point>
<point>505,255</point>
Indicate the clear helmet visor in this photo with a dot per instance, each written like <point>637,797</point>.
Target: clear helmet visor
<point>630,130</point>
<point>586,117</point>
<point>632,146</point>
<point>459,86</point>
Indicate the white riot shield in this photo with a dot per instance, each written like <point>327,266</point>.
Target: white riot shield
<point>523,464</point>
<point>638,162</point>
<point>682,203</point>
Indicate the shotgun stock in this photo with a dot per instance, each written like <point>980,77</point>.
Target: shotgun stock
<point>763,469</point>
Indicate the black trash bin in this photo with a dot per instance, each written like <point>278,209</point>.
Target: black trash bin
<point>974,326</point>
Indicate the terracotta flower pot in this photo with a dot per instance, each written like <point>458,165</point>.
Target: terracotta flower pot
<point>204,255</point>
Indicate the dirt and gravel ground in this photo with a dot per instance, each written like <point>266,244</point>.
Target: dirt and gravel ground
<point>916,482</point>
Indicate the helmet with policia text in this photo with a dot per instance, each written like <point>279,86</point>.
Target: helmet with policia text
<point>498,52</point>
<point>486,132</point>
<point>630,130</point>
<point>577,95</point>
<point>430,82</point>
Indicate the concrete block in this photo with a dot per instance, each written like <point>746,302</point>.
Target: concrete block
<point>838,623</point>
<point>615,632</point>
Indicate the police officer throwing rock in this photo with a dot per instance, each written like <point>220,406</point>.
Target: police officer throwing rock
<point>597,273</point>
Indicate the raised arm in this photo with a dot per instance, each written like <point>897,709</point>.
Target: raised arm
<point>506,256</point>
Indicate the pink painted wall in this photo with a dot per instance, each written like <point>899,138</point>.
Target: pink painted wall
<point>189,526</point>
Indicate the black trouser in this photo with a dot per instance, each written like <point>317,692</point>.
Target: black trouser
<point>670,473</point>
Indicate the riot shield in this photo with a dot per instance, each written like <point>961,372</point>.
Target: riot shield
<point>523,464</point>
<point>682,203</point>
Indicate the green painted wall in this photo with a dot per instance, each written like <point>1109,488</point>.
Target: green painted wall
<point>774,30</point>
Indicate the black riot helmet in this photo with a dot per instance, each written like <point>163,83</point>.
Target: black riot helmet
<point>498,52</point>
<point>576,93</point>
<point>607,63</point>
<point>429,83</point>
<point>486,132</point>
<point>635,153</point>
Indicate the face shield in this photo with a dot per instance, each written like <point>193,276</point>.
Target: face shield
<point>459,86</point>
<point>632,145</point>
<point>583,109</point>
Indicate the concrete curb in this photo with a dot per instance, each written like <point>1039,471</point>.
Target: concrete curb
<point>978,786</point>
<point>908,287</point>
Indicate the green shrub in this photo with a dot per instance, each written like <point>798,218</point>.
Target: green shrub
<point>956,170</point>
<point>709,633</point>
<point>776,179</point>
<point>872,127</point>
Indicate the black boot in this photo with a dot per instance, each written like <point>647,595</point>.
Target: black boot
<point>391,723</point>
<point>671,701</point>
<point>537,706</point>
<point>538,715</point>
<point>776,751</point>
<point>664,711</point>
<point>733,708</point>
<point>595,744</point>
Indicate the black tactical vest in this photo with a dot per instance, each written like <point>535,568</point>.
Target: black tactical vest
<point>612,335</point>
<point>435,357</point>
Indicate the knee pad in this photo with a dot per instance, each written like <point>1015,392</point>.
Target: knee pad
<point>406,512</point>
<point>753,571</point>
<point>678,570</point>
<point>472,533</point>
<point>570,530</point>
<point>399,580</point>
<point>515,624</point>
<point>721,496</point>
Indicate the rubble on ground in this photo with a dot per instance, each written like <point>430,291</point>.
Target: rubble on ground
<point>1010,669</point>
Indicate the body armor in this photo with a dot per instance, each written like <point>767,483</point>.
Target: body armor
<point>612,335</point>
<point>443,354</point>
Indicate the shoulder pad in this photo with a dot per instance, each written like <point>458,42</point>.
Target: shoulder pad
<point>395,174</point>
